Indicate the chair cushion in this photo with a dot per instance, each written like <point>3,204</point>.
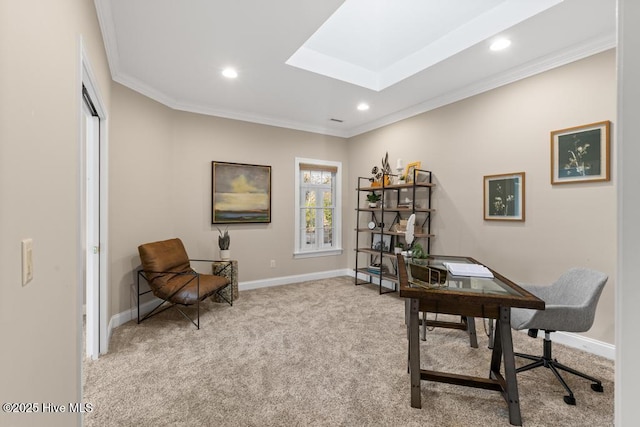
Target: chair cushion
<point>165,255</point>
<point>170,276</point>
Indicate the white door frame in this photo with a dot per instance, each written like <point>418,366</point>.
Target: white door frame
<point>100,341</point>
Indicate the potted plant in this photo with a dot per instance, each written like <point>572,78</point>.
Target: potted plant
<point>223,243</point>
<point>373,199</point>
<point>399,248</point>
<point>417,251</point>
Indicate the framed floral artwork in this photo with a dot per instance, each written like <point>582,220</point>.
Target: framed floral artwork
<point>580,154</point>
<point>504,197</point>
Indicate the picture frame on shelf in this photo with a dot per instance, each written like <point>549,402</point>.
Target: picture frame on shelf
<point>409,171</point>
<point>581,154</point>
<point>504,197</point>
<point>381,241</point>
<point>240,193</point>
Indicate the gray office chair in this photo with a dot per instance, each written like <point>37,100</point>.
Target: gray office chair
<point>570,306</point>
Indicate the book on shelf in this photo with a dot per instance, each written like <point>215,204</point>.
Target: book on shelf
<point>376,269</point>
<point>471,270</point>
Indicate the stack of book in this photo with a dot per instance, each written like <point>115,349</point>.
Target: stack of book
<point>375,268</point>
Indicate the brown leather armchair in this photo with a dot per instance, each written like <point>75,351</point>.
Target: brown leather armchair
<point>167,269</point>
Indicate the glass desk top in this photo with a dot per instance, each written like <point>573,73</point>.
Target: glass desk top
<point>430,278</point>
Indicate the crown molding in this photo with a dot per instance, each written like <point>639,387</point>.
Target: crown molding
<point>564,57</point>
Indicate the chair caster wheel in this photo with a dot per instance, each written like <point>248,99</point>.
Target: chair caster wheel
<point>570,400</point>
<point>597,387</point>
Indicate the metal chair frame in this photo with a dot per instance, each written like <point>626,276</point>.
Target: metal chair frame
<point>547,361</point>
<point>196,276</point>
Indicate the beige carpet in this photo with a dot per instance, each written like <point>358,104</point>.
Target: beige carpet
<point>319,353</point>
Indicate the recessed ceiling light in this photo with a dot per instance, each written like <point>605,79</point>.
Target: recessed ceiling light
<point>230,73</point>
<point>500,44</point>
<point>363,106</point>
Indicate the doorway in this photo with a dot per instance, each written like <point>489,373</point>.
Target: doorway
<point>91,224</point>
<point>92,247</point>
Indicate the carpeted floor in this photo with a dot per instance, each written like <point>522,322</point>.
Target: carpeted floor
<point>319,353</point>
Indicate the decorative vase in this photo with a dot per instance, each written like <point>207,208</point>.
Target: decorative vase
<point>225,254</point>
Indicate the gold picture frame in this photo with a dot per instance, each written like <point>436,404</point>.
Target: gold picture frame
<point>409,171</point>
<point>581,154</point>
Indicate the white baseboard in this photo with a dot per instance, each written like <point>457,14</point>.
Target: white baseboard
<point>287,280</point>
<point>572,340</point>
<point>580,342</point>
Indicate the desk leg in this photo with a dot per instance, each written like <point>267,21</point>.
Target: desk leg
<point>504,329</point>
<point>471,330</point>
<point>414,353</point>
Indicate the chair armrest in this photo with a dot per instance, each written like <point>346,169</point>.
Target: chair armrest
<point>229,264</point>
<point>194,273</point>
<point>541,292</point>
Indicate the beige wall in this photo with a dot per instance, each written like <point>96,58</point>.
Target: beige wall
<point>39,145</point>
<point>507,130</point>
<point>160,168</point>
<point>501,131</point>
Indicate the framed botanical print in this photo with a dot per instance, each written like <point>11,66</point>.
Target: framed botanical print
<point>504,197</point>
<point>240,193</point>
<point>580,154</point>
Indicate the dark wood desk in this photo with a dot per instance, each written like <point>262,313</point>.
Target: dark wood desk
<point>490,298</point>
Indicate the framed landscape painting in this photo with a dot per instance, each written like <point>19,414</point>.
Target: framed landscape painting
<point>240,193</point>
<point>504,197</point>
<point>580,154</point>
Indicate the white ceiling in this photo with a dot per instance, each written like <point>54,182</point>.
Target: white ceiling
<point>174,51</point>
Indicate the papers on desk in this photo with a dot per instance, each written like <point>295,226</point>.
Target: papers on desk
<point>472,270</point>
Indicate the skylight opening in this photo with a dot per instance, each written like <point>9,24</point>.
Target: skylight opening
<point>377,43</point>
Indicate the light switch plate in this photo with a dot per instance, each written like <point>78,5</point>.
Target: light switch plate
<point>27,261</point>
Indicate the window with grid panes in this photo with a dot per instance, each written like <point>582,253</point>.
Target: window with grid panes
<point>318,228</point>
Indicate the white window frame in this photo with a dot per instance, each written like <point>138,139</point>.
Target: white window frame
<point>336,249</point>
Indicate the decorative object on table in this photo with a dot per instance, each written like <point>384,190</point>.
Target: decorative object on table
<point>504,197</point>
<point>373,198</point>
<point>223,243</point>
<point>410,171</point>
<point>580,154</point>
<point>240,193</point>
<point>428,275</point>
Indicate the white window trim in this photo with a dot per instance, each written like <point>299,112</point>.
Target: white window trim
<point>337,250</point>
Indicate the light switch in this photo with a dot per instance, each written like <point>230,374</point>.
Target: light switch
<point>27,261</point>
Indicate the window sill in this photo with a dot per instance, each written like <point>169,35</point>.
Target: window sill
<point>318,253</point>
